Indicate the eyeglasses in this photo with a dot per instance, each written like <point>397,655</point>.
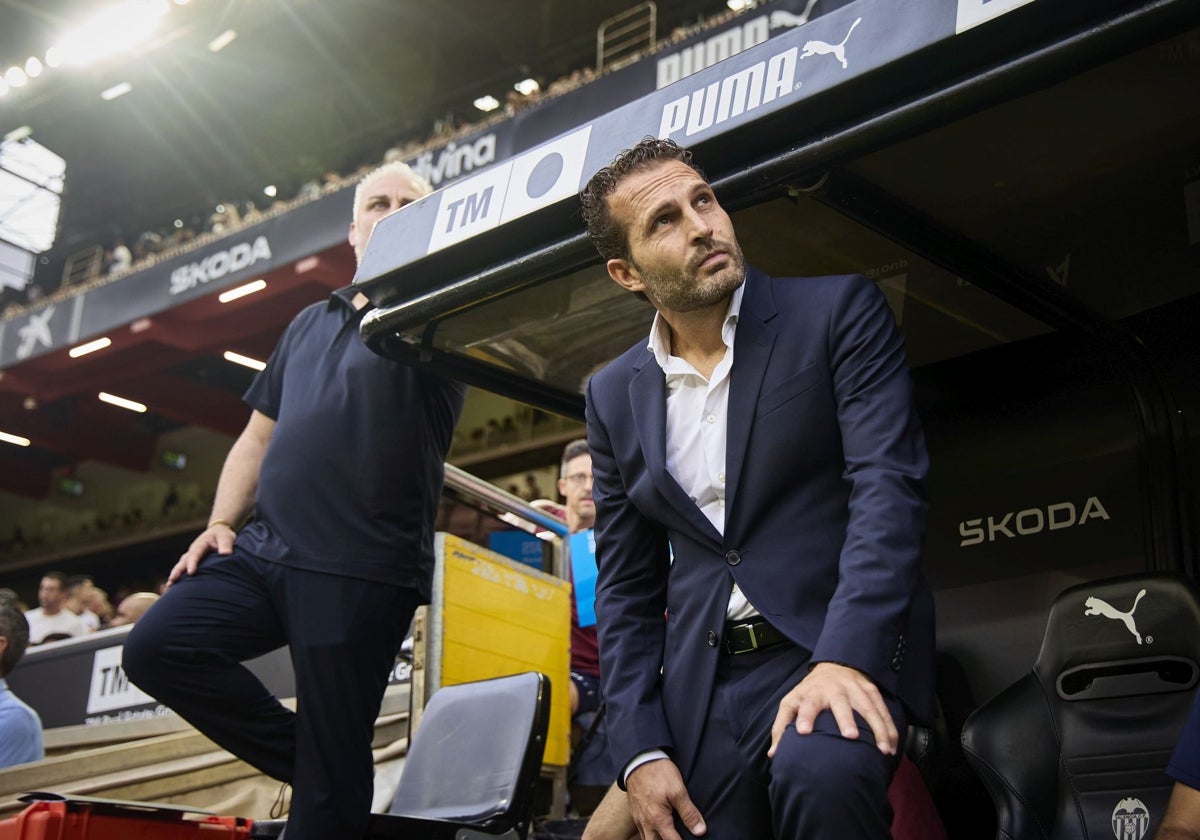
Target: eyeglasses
<point>578,478</point>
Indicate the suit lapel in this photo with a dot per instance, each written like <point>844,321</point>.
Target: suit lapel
<point>648,405</point>
<point>751,351</point>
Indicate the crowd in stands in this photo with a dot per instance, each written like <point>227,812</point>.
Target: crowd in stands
<point>125,255</point>
<point>75,606</point>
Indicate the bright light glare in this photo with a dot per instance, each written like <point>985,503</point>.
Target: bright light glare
<point>115,91</point>
<point>739,5</point>
<point>525,87</point>
<point>15,77</point>
<point>270,191</point>
<point>222,41</point>
<point>54,57</point>
<point>33,67</point>
<point>242,291</point>
<point>117,28</point>
<point>89,347</point>
<point>16,440</point>
<point>121,402</point>
<point>244,361</point>
<point>3,86</point>
<point>487,103</point>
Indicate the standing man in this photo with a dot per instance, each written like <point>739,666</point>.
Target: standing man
<point>20,726</point>
<point>592,765</point>
<point>341,465</point>
<point>51,616</point>
<point>766,435</point>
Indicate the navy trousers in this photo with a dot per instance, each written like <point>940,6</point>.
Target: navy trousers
<point>343,635</point>
<point>819,785</point>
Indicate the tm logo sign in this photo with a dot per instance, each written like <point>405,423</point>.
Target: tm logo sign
<point>536,179</point>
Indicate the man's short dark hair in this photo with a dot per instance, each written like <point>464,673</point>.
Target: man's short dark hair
<point>574,449</point>
<point>15,628</point>
<point>58,576</point>
<point>610,239</point>
<point>76,581</point>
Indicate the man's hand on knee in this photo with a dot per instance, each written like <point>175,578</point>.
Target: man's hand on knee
<point>656,794</point>
<point>844,691</point>
<point>218,537</point>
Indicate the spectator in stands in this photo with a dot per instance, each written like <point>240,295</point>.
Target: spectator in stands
<point>594,769</point>
<point>1182,820</point>
<point>79,594</point>
<point>97,602</point>
<point>52,615</point>
<point>132,607</point>
<point>335,570</point>
<point>799,631</point>
<point>20,726</point>
<point>122,258</point>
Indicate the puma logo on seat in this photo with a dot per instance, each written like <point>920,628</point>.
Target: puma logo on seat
<point>838,51</point>
<point>1098,606</point>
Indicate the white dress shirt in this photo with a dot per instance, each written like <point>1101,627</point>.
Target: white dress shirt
<point>697,429</point>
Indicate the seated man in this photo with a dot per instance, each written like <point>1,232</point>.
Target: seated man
<point>20,726</point>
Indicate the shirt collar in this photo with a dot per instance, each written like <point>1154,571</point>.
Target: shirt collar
<point>660,332</point>
<point>345,295</point>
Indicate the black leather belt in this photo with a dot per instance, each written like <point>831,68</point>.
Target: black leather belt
<point>745,636</point>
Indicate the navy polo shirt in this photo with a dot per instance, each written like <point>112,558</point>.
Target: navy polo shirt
<point>352,477</point>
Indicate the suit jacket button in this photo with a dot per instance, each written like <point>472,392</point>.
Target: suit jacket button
<point>733,558</point>
<point>712,638</point>
<point>896,660</point>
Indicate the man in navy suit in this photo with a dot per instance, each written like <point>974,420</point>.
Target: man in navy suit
<point>766,437</point>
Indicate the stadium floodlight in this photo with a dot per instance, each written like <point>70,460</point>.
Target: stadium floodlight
<point>121,402</point>
<point>487,103</point>
<point>33,67</point>
<point>15,77</point>
<point>54,57</point>
<point>109,94</point>
<point>527,87</point>
<point>31,183</point>
<point>15,440</point>
<point>244,361</point>
<point>241,291</point>
<point>89,347</point>
<point>116,28</point>
<point>222,41</point>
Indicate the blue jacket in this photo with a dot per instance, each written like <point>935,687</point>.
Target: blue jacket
<point>825,512</point>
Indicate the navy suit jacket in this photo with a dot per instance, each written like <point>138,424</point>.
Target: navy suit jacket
<point>825,512</point>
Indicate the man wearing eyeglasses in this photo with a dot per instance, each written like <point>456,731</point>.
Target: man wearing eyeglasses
<point>594,769</point>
